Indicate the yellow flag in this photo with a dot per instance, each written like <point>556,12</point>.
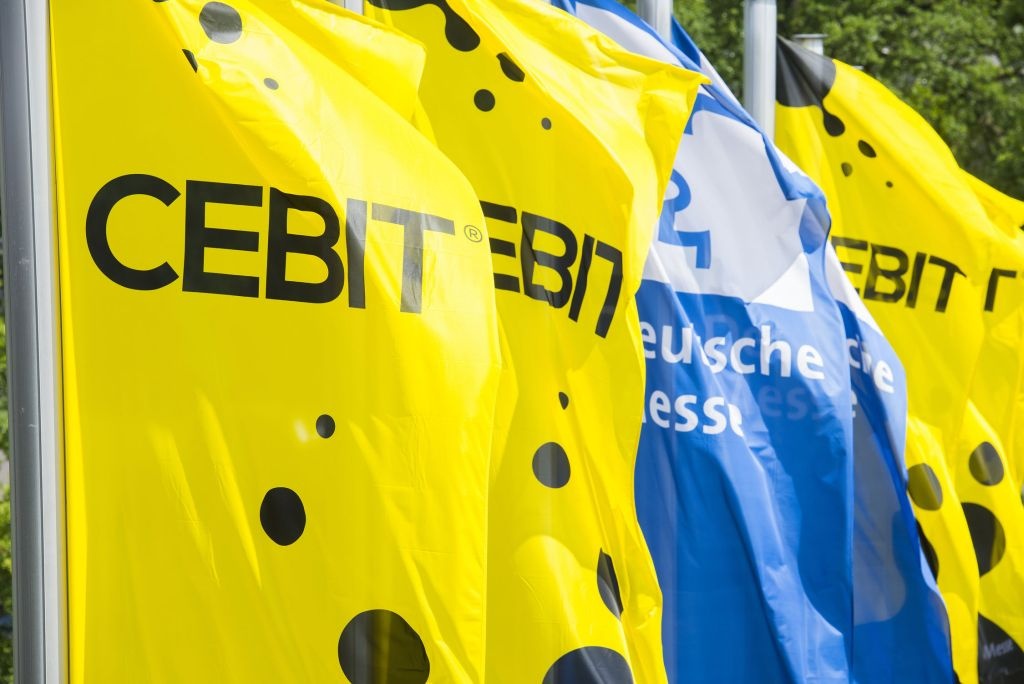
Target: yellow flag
<point>568,142</point>
<point>935,256</point>
<point>280,351</point>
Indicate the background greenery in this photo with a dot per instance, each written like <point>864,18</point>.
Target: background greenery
<point>959,63</point>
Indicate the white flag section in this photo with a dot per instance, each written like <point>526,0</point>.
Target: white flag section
<point>770,482</point>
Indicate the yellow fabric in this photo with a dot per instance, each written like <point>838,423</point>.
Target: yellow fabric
<point>185,409</point>
<point>906,218</point>
<point>556,124</point>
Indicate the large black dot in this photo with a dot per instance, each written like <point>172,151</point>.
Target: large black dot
<point>282,516</point>
<point>325,426</point>
<point>847,168</point>
<point>484,100</point>
<point>866,149</point>
<point>924,487</point>
<point>987,536</point>
<point>563,400</point>
<point>551,465</point>
<point>510,68</point>
<point>379,647</point>
<point>191,60</point>
<point>1000,658</point>
<point>608,584</point>
<point>221,22</point>
<point>590,665</point>
<point>929,552</point>
<point>986,465</point>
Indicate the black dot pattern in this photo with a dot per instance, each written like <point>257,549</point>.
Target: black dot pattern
<point>847,168</point>
<point>866,149</point>
<point>191,60</point>
<point>987,536</point>
<point>459,34</point>
<point>221,22</point>
<point>590,665</point>
<point>888,184</point>
<point>563,400</point>
<point>986,465</point>
<point>1000,658</point>
<point>545,123</point>
<point>325,426</point>
<point>484,100</point>
<point>510,68</point>
<point>930,556</point>
<point>924,487</point>
<point>271,83</point>
<point>608,584</point>
<point>380,647</point>
<point>551,465</point>
<point>283,516</point>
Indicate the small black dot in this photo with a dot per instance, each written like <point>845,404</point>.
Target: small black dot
<point>484,100</point>
<point>379,646</point>
<point>222,23</point>
<point>325,426</point>
<point>929,552</point>
<point>551,465</point>
<point>282,515</point>
<point>545,123</point>
<point>847,168</point>
<point>563,399</point>
<point>888,184</point>
<point>986,465</point>
<point>191,60</point>
<point>510,68</point>
<point>987,536</point>
<point>270,83</point>
<point>924,488</point>
<point>590,665</point>
<point>866,149</point>
<point>834,126</point>
<point>608,584</point>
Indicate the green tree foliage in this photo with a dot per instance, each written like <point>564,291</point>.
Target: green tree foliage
<point>959,64</point>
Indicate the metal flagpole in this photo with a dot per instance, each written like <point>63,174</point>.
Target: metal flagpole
<point>815,42</point>
<point>760,18</point>
<point>657,13</point>
<point>354,6</point>
<point>26,203</point>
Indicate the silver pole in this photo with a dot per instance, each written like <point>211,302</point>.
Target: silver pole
<point>658,14</point>
<point>26,200</point>
<point>760,19</point>
<point>354,6</point>
<point>815,42</point>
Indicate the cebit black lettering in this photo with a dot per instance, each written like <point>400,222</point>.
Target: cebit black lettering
<point>281,243</point>
<point>199,237</point>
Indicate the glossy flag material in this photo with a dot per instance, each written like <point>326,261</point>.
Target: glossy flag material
<point>280,351</point>
<point>568,141</point>
<point>938,264</point>
<point>770,480</point>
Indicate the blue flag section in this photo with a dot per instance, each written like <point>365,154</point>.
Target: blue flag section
<point>770,482</point>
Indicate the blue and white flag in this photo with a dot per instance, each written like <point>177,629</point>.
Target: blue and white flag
<point>770,482</point>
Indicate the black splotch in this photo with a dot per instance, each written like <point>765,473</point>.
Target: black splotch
<point>590,665</point>
<point>608,584</point>
<point>282,516</point>
<point>379,646</point>
<point>270,83</point>
<point>551,465</point>
<point>847,168</point>
<point>929,552</point>
<point>986,465</point>
<point>459,34</point>
<point>803,79</point>
<point>545,123</point>
<point>987,536</point>
<point>888,184</point>
<point>563,400</point>
<point>484,100</point>
<point>866,149</point>
<point>510,68</point>
<point>924,488</point>
<point>325,426</point>
<point>1000,658</point>
<point>221,22</point>
<point>191,60</point>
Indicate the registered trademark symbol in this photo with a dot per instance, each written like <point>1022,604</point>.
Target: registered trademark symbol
<point>473,234</point>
